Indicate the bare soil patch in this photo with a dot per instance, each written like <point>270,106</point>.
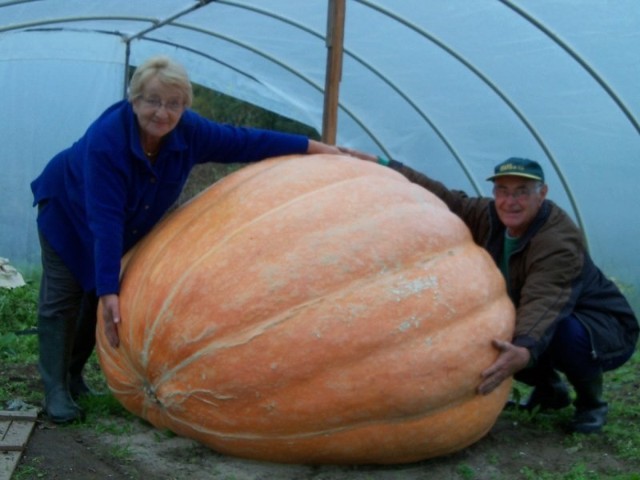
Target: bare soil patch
<point>88,452</point>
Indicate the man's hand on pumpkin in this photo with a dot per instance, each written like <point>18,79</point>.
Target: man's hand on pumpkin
<point>511,359</point>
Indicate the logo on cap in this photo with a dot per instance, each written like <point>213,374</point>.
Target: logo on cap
<point>519,167</point>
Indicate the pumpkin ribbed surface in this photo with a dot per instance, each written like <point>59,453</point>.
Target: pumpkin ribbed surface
<point>311,310</point>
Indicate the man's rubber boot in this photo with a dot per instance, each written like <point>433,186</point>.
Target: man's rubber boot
<point>85,341</point>
<point>550,394</point>
<point>591,409</point>
<point>55,338</point>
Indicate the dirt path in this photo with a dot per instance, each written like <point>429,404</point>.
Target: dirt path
<point>509,451</point>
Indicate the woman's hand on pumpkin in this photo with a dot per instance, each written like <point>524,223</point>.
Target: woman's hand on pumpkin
<point>319,147</point>
<point>111,316</point>
<point>511,359</point>
<point>358,154</point>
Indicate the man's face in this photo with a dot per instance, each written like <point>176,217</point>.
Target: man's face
<point>518,200</point>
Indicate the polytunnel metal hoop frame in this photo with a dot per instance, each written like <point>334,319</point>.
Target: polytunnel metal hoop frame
<point>556,26</point>
<point>156,23</point>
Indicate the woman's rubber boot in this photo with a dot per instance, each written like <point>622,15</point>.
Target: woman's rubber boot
<point>55,339</point>
<point>591,409</point>
<point>85,341</point>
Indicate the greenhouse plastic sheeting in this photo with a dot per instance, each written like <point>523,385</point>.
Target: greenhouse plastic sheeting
<point>450,88</point>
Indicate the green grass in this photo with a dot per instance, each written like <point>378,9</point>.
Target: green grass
<point>29,472</point>
<point>123,453</point>
<point>575,472</point>
<point>17,320</point>
<point>466,472</point>
<point>18,345</point>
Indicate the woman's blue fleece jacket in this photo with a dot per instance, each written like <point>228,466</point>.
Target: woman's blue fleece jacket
<point>102,195</point>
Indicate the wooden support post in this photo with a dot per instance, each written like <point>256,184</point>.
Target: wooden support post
<point>333,74</point>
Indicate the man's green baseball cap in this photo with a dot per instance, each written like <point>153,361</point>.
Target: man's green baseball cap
<point>518,167</point>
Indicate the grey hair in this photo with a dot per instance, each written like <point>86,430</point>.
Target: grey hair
<point>168,71</point>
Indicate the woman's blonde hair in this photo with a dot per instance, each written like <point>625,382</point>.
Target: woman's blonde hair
<point>167,71</point>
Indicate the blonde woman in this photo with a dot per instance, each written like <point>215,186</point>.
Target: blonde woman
<point>101,195</point>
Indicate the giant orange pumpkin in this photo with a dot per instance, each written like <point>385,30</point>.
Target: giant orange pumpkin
<point>313,309</point>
